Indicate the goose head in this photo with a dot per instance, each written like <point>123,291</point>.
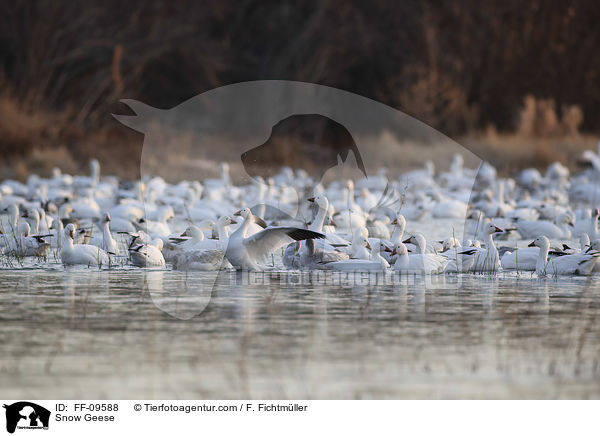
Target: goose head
<point>321,201</point>
<point>491,228</point>
<point>70,231</point>
<point>226,220</point>
<point>450,243</point>
<point>565,219</point>
<point>193,232</point>
<point>12,210</point>
<point>362,241</point>
<point>400,249</point>
<point>23,228</point>
<point>594,246</point>
<point>399,221</point>
<point>541,241</point>
<point>106,218</point>
<point>380,246</point>
<point>158,243</point>
<point>244,213</point>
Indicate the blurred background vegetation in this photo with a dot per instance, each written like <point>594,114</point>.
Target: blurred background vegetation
<point>517,82</point>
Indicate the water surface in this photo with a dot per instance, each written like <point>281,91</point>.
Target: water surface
<point>130,333</point>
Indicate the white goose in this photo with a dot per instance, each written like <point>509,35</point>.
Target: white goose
<point>375,263</point>
<point>525,259</point>
<point>418,263</point>
<point>560,229</point>
<point>589,226</point>
<point>570,264</point>
<point>245,252</point>
<point>80,254</point>
<point>430,261</point>
<point>203,254</point>
<point>332,240</point>
<point>486,260</point>
<point>22,244</point>
<point>148,255</point>
<point>105,240</point>
<point>312,257</point>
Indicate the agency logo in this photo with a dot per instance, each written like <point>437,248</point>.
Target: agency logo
<point>329,134</point>
<point>25,415</point>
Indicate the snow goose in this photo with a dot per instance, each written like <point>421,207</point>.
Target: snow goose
<point>33,218</point>
<point>22,244</point>
<point>158,227</point>
<point>349,215</point>
<point>312,257</point>
<point>570,264</point>
<point>525,259</point>
<point>105,240</point>
<point>199,260</point>
<point>12,210</point>
<point>223,182</point>
<point>486,260</point>
<point>148,255</point>
<point>418,263</point>
<point>448,208</point>
<point>419,243</point>
<point>332,240</point>
<point>560,229</point>
<point>375,263</point>
<point>80,254</point>
<point>245,252</point>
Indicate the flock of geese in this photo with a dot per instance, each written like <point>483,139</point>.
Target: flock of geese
<point>543,222</point>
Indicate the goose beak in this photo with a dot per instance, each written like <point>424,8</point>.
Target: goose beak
<point>184,233</point>
<point>368,245</point>
<point>238,213</point>
<point>571,224</point>
<point>332,222</point>
<point>406,241</point>
<point>387,249</point>
<point>532,244</point>
<point>395,222</point>
<point>233,221</point>
<point>311,199</point>
<point>498,230</point>
<point>24,215</point>
<point>589,249</point>
<point>393,253</point>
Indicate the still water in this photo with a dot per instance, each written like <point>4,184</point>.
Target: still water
<point>130,333</point>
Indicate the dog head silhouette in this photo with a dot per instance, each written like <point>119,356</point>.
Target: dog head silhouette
<point>33,413</point>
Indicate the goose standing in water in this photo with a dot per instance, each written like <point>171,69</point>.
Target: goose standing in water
<point>331,239</point>
<point>486,260</point>
<point>80,254</point>
<point>418,263</point>
<point>106,241</point>
<point>570,264</point>
<point>246,252</point>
